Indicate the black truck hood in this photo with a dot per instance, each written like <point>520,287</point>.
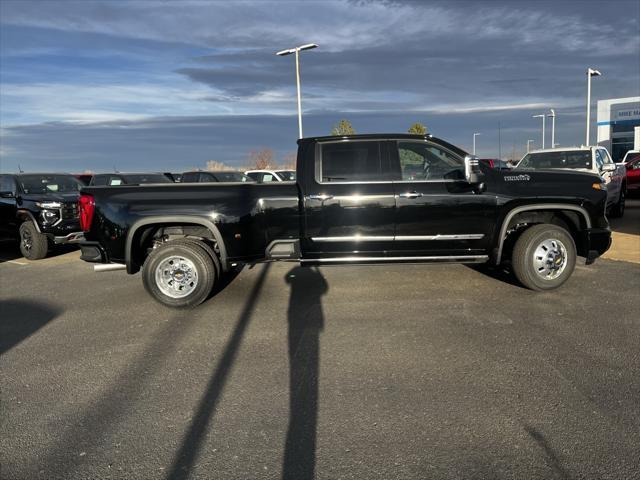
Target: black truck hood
<point>52,197</point>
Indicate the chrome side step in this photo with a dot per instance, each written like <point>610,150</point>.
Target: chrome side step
<point>435,259</point>
<point>109,267</point>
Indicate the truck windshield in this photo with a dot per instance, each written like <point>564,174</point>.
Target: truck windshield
<point>571,159</point>
<point>138,179</point>
<point>49,184</point>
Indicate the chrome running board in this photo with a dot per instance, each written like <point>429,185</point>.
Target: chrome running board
<point>435,259</point>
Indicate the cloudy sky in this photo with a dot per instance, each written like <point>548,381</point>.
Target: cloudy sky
<point>144,85</point>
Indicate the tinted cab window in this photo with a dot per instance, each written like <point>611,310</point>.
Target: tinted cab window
<point>424,161</point>
<point>7,184</point>
<point>352,162</point>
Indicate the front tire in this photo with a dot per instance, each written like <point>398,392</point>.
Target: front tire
<point>544,257</point>
<point>179,274</point>
<point>33,244</point>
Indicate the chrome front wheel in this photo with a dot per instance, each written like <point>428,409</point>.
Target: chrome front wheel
<point>544,257</point>
<point>550,259</point>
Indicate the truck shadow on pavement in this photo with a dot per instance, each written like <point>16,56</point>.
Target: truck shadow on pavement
<point>552,459</point>
<point>21,319</point>
<point>306,321</point>
<point>187,455</point>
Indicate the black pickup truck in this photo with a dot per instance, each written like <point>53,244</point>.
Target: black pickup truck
<point>358,199</point>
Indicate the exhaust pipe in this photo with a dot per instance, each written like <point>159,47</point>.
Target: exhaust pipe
<point>109,267</point>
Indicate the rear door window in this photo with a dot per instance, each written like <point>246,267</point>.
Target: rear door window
<point>352,161</point>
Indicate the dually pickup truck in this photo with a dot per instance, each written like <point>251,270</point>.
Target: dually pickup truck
<point>359,199</point>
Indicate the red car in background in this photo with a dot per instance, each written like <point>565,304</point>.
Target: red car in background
<point>632,164</point>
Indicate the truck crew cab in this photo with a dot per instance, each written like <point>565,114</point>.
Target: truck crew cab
<point>358,199</point>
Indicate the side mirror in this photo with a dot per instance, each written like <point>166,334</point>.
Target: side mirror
<point>472,172</point>
<point>7,194</point>
<point>609,167</point>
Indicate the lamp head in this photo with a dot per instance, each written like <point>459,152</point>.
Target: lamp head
<point>308,46</point>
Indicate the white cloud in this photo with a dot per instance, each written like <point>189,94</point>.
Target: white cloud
<point>336,25</point>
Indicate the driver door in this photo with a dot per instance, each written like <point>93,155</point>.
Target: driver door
<point>437,211</point>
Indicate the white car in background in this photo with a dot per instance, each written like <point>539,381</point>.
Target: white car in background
<point>264,176</point>
<point>595,160</point>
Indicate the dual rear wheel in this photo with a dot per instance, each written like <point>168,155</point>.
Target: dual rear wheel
<point>181,273</point>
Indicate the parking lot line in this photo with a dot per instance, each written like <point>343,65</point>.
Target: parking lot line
<point>15,262</point>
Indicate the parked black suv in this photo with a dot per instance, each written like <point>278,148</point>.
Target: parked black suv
<point>41,209</point>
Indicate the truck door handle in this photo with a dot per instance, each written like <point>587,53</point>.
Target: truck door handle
<point>320,197</point>
<point>413,194</point>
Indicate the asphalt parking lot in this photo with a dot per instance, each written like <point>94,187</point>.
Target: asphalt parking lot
<point>403,371</point>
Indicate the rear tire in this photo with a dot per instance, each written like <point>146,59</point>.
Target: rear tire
<point>617,211</point>
<point>544,257</point>
<point>33,244</point>
<point>205,247</point>
<point>179,274</point>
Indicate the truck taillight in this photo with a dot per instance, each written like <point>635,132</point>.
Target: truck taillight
<point>86,206</point>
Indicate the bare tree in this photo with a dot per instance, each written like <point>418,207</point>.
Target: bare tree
<point>289,161</point>
<point>261,159</point>
<point>215,166</point>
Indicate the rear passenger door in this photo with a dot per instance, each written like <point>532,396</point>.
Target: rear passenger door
<point>437,212</point>
<point>349,200</point>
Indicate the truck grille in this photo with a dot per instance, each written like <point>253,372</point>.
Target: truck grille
<point>69,211</point>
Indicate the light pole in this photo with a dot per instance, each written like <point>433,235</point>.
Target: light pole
<point>474,141</point>
<point>542,116</point>
<point>553,127</point>
<point>297,51</point>
<point>528,143</point>
<point>590,73</point>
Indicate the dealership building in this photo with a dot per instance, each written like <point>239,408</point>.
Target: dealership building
<point>618,118</point>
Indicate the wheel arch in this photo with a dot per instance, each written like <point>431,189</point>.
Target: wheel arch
<point>140,226</point>
<point>25,215</point>
<point>566,212</point>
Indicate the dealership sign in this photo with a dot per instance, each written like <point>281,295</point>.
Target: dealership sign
<point>628,114</point>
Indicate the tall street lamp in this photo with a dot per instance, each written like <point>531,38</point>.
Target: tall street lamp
<point>590,73</point>
<point>529,143</point>
<point>553,127</point>
<point>474,141</point>
<point>542,116</point>
<point>297,51</point>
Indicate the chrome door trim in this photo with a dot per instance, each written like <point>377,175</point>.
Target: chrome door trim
<point>354,238</point>
<point>462,236</point>
<point>401,238</point>
<point>438,258</point>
